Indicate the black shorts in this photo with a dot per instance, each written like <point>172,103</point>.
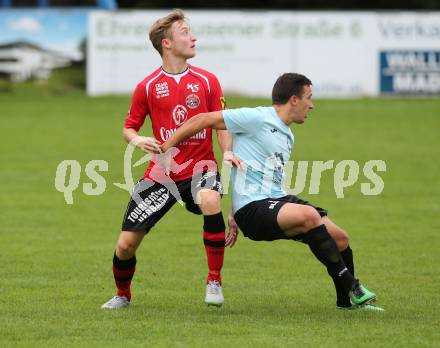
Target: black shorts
<point>258,219</point>
<point>152,200</point>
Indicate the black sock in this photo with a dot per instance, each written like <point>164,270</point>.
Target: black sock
<point>343,300</point>
<point>347,256</point>
<point>214,223</point>
<point>124,264</point>
<point>325,250</point>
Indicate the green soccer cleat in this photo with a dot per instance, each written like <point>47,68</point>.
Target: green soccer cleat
<point>360,295</point>
<point>363,308</point>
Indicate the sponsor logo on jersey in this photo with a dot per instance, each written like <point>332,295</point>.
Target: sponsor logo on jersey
<point>223,102</point>
<point>179,114</point>
<point>192,101</point>
<point>162,90</point>
<point>193,87</point>
<point>165,134</point>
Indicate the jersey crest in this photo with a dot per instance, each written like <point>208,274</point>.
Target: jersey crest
<point>192,101</point>
<point>180,114</point>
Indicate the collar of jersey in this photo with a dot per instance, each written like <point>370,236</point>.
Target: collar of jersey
<point>178,75</point>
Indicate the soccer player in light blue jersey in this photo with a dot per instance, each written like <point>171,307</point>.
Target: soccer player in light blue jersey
<point>261,207</point>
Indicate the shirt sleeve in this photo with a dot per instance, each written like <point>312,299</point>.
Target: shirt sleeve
<point>138,109</point>
<point>217,101</point>
<point>243,120</point>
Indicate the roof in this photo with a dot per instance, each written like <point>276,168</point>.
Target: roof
<point>27,44</point>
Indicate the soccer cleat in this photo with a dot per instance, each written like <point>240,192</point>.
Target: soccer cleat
<point>360,295</point>
<point>117,302</point>
<point>363,308</point>
<point>214,294</point>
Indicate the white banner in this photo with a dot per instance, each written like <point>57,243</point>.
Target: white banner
<point>339,51</point>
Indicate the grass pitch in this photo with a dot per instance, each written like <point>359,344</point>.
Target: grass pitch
<point>56,258</point>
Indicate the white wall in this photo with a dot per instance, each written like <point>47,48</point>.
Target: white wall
<point>339,51</point>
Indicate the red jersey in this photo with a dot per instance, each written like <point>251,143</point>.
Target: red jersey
<point>170,100</point>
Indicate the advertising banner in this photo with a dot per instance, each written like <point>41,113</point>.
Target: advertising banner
<point>346,54</point>
<point>410,72</point>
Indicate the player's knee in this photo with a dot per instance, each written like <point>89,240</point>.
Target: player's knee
<point>311,217</point>
<point>210,202</point>
<point>125,249</point>
<point>342,241</point>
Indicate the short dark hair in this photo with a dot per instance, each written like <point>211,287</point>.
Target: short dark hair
<point>287,85</point>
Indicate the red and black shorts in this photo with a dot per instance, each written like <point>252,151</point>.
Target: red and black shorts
<point>150,200</point>
<point>258,219</point>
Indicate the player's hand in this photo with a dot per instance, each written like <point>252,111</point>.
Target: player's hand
<point>147,144</point>
<point>231,238</point>
<point>164,147</point>
<point>231,160</point>
<point>165,160</point>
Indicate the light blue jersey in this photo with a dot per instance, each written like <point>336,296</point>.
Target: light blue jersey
<point>264,143</point>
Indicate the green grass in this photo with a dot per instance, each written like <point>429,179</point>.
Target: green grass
<point>56,258</point>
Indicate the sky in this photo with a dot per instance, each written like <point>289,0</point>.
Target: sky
<point>59,30</point>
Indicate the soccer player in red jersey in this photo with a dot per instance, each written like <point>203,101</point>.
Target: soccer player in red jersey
<point>171,95</point>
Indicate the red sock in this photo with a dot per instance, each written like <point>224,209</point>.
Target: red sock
<point>123,271</point>
<point>214,240</point>
<point>215,249</point>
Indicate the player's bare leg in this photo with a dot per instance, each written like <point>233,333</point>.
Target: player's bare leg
<point>127,244</point>
<point>124,265</point>
<point>214,240</point>
<point>338,234</point>
<point>296,219</point>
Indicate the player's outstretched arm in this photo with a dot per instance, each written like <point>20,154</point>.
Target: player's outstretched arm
<point>224,140</point>
<point>225,143</point>
<point>193,126</point>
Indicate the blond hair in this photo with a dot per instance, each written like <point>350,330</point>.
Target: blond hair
<point>161,28</point>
